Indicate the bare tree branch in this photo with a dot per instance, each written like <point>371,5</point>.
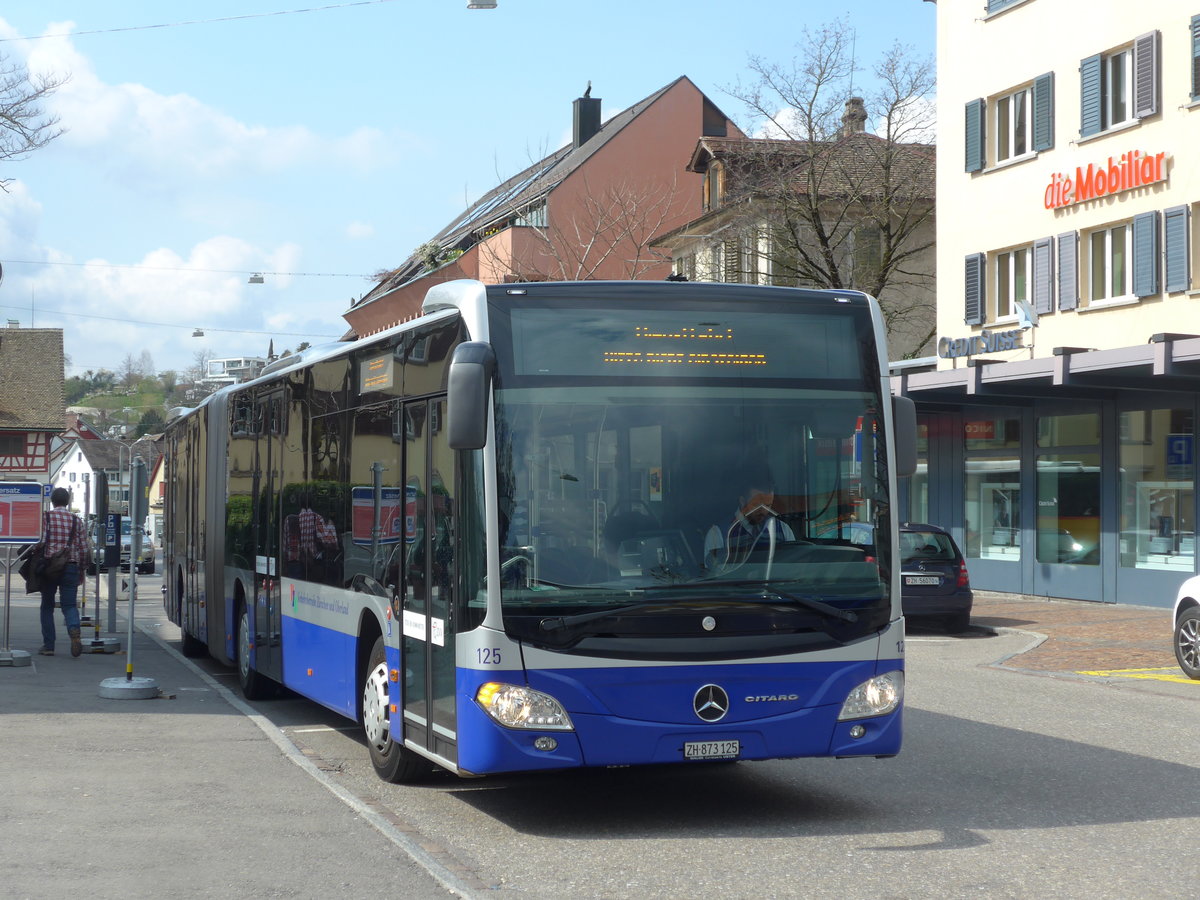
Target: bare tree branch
<point>842,205</point>
<point>24,126</point>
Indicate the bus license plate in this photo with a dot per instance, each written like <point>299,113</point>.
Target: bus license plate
<point>711,749</point>
<point>922,579</point>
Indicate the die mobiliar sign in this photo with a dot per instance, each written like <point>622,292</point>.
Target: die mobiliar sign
<point>1130,170</point>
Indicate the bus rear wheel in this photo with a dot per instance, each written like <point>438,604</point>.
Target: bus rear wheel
<point>391,761</point>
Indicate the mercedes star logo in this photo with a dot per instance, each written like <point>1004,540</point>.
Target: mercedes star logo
<point>711,703</point>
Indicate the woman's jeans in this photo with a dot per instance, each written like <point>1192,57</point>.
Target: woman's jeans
<point>68,590</point>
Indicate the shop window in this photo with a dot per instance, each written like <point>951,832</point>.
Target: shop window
<point>1158,529</point>
<point>1012,281</point>
<point>1119,87</point>
<point>1068,430</point>
<point>992,433</point>
<point>992,487</point>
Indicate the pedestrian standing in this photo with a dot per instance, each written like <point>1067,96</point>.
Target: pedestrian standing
<point>62,528</point>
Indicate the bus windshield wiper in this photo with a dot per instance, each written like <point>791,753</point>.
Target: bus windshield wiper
<point>768,591</point>
<point>558,623</point>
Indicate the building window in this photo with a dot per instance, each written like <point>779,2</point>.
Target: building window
<point>534,215</point>
<point>1119,87</point>
<point>1012,281</point>
<point>72,478</point>
<point>1114,88</point>
<point>1012,125</point>
<point>868,256</point>
<point>1109,252</point>
<point>1195,58</point>
<point>12,444</point>
<point>714,185</point>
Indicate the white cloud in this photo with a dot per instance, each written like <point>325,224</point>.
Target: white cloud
<point>136,129</point>
<point>359,230</point>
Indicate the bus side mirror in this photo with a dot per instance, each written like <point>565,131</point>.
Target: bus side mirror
<point>468,391</point>
<point>904,430</point>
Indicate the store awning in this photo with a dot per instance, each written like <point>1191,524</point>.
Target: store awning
<point>1167,362</point>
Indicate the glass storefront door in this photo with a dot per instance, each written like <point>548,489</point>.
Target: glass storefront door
<point>1068,491</point>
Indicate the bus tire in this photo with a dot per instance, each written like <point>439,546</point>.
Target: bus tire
<point>255,686</point>
<point>392,762</point>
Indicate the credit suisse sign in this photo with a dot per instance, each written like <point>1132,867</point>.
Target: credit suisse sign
<point>1130,170</point>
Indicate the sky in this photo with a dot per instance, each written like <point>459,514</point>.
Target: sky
<point>319,143</point>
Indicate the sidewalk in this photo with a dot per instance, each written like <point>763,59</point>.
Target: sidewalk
<point>141,797</point>
<point>1081,635</point>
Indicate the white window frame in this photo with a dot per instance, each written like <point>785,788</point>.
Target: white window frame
<point>1008,130</point>
<point>1008,264</point>
<point>1119,63</point>
<point>1107,295</point>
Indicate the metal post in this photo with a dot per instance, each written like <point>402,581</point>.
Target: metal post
<point>130,688</point>
<point>8,656</point>
<point>98,644</point>
<point>85,620</point>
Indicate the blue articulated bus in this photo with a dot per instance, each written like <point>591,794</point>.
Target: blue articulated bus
<point>544,526</point>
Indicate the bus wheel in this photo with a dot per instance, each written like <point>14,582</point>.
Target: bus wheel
<point>391,761</point>
<point>254,685</point>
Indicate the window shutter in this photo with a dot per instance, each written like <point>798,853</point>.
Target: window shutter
<point>1145,254</point>
<point>1068,270</point>
<point>1145,75</point>
<point>1177,276</point>
<point>732,259</point>
<point>974,289</point>
<point>1043,276</point>
<point>1196,57</point>
<point>976,155</point>
<point>1089,96</point>
<point>1043,112</point>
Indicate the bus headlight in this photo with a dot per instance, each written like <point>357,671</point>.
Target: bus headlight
<point>514,706</point>
<point>876,696</point>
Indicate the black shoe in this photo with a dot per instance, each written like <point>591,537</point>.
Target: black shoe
<point>46,651</point>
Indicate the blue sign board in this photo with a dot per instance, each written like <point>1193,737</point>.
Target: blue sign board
<point>1180,452</point>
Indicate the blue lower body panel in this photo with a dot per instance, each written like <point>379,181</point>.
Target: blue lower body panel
<point>645,715</point>
<point>319,664</point>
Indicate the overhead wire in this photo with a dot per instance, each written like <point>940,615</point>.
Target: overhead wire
<point>263,15</point>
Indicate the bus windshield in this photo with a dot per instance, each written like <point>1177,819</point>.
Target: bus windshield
<point>630,474</point>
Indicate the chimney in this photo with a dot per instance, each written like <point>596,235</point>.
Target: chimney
<point>854,119</point>
<point>587,117</point>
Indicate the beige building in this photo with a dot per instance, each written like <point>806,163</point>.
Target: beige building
<point>1060,413</point>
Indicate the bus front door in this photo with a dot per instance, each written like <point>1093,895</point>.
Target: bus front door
<point>428,628</point>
